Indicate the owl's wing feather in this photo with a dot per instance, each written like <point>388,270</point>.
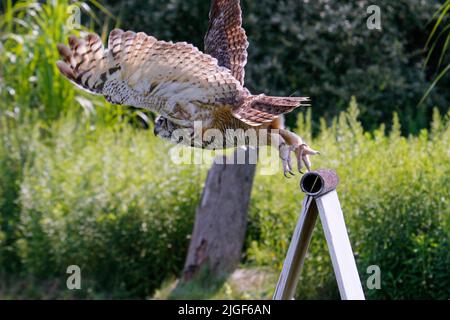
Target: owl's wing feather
<point>227,42</point>
<point>260,109</point>
<point>135,67</point>
<point>225,39</point>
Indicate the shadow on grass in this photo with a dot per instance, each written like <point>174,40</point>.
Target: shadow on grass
<point>244,283</point>
<point>203,285</point>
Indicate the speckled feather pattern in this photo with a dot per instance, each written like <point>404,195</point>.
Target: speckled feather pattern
<point>176,80</point>
<point>139,70</point>
<point>226,39</point>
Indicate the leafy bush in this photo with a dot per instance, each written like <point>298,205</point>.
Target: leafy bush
<point>394,194</point>
<point>319,48</point>
<point>15,152</point>
<point>109,201</point>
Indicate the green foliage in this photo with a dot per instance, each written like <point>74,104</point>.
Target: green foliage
<point>439,38</point>
<point>107,200</point>
<point>15,152</point>
<point>322,49</point>
<point>29,78</point>
<point>394,193</point>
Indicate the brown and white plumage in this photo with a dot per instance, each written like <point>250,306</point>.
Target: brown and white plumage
<point>226,39</point>
<point>141,71</point>
<point>176,80</point>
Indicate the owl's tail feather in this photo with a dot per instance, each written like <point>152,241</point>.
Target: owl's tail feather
<point>259,109</point>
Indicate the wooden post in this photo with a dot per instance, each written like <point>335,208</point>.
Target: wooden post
<point>321,199</point>
<point>221,218</point>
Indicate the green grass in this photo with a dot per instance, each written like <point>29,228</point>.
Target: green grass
<point>435,39</point>
<point>244,283</point>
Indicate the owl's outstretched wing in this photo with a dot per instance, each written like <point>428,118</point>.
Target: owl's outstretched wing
<point>136,67</point>
<point>225,39</point>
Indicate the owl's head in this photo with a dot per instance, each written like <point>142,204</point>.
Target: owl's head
<point>163,128</point>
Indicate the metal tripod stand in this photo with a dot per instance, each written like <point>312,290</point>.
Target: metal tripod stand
<point>321,199</point>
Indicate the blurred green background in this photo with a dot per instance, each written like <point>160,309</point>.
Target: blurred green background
<point>82,182</point>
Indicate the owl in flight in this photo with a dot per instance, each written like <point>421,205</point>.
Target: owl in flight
<point>185,86</point>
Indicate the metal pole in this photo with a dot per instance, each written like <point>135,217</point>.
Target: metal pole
<point>298,247</point>
<point>344,264</point>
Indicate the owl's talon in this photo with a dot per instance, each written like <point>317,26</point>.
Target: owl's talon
<point>302,153</point>
<point>307,162</point>
<point>285,156</point>
<point>289,171</point>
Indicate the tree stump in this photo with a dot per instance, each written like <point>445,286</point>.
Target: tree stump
<point>221,219</point>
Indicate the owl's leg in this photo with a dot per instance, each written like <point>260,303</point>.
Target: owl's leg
<point>285,156</point>
<point>284,149</point>
<point>302,150</point>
